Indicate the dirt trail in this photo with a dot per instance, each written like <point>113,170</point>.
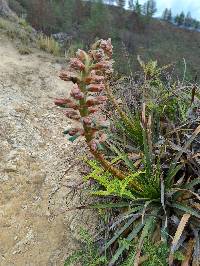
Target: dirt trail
<point>36,164</point>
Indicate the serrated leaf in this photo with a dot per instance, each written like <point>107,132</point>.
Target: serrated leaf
<point>186,209</point>
<point>121,249</point>
<point>180,153</point>
<point>109,205</point>
<point>147,227</point>
<point>119,232</point>
<point>192,183</point>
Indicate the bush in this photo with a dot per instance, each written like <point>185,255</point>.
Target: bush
<point>48,44</point>
<point>146,169</point>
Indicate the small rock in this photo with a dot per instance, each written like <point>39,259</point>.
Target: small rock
<point>10,168</point>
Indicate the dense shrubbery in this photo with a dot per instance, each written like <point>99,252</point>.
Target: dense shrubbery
<point>146,167</point>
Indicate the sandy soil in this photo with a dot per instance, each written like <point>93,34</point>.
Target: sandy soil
<point>37,164</point>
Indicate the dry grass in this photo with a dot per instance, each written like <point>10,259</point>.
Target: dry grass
<point>14,30</point>
<point>48,44</point>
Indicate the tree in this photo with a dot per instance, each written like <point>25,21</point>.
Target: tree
<point>169,15</point>
<point>138,8</point>
<point>131,4</point>
<point>149,8</point>
<point>121,3</point>
<point>188,20</point>
<point>180,19</point>
<point>196,24</point>
<point>135,6</point>
<point>165,14</point>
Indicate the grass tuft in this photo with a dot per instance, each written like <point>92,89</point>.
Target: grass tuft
<point>48,44</point>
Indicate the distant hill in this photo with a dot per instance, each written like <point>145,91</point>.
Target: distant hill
<point>131,34</point>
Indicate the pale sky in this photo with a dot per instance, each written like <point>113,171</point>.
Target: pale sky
<point>177,6</point>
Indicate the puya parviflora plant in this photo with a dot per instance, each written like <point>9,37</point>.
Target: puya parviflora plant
<point>89,72</point>
<point>154,193</point>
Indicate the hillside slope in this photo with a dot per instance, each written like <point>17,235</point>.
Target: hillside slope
<point>37,164</point>
<point>131,34</point>
<point>170,44</point>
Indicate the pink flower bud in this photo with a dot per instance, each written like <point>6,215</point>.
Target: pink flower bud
<point>73,106</point>
<point>97,78</point>
<point>82,55</point>
<point>101,99</point>
<point>93,144</point>
<point>106,45</point>
<point>102,137</point>
<point>65,75</point>
<point>96,87</point>
<point>61,101</point>
<point>92,109</point>
<point>76,64</point>
<point>103,65</point>
<point>76,131</point>
<point>94,79</point>
<point>68,76</point>
<point>76,92</point>
<point>66,103</point>
<point>87,121</point>
<point>95,101</point>
<point>72,114</point>
<point>97,55</point>
<point>91,102</point>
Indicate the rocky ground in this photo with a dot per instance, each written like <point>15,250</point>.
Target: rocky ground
<point>38,166</point>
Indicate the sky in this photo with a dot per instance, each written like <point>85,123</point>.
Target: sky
<point>177,6</point>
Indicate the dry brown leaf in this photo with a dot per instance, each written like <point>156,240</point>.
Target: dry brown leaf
<point>177,236</point>
<point>189,252</point>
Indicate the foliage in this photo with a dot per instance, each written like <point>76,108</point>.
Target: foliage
<point>151,182</point>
